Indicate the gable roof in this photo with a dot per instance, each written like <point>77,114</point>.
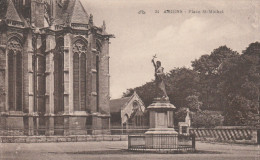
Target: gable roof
<point>8,11</point>
<point>73,12</point>
<point>117,104</point>
<point>79,14</point>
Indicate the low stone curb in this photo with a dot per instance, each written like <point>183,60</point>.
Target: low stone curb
<point>49,139</point>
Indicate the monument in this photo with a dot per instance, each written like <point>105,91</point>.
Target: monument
<point>161,132</point>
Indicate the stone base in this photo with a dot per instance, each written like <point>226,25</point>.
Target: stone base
<point>100,125</point>
<point>161,138</point>
<point>71,138</point>
<point>49,126</point>
<point>14,126</point>
<point>167,131</point>
<point>77,125</point>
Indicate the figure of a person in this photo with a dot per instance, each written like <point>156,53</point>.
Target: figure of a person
<point>159,77</point>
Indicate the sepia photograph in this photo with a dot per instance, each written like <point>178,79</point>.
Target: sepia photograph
<point>129,79</point>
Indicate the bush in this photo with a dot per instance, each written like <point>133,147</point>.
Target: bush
<point>180,115</point>
<point>206,119</point>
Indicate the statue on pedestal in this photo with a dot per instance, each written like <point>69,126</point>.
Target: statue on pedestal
<point>159,78</point>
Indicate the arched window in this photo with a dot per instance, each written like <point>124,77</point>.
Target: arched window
<point>58,76</point>
<point>19,79</point>
<point>2,80</point>
<point>82,81</point>
<point>15,79</point>
<point>79,75</point>
<point>76,81</point>
<point>11,91</point>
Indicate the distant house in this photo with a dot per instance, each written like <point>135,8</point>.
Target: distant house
<point>128,113</point>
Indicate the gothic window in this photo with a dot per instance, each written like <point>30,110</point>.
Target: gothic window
<point>19,88</point>
<point>76,81</point>
<point>79,75</point>
<point>2,80</point>
<point>11,92</point>
<point>58,77</point>
<point>41,84</point>
<point>14,59</point>
<point>82,81</point>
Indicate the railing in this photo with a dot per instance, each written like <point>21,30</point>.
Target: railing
<point>161,142</point>
<point>226,134</point>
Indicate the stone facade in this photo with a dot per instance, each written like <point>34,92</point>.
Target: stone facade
<point>54,68</point>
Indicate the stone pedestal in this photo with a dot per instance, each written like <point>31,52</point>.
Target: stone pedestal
<point>161,133</point>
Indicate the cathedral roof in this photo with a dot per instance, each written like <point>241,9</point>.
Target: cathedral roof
<point>8,11</point>
<point>73,12</point>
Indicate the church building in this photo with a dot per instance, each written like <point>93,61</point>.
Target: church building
<point>54,69</point>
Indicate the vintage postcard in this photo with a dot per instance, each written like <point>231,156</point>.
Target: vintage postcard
<point>129,79</point>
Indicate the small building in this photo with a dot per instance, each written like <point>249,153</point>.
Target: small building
<point>128,114</point>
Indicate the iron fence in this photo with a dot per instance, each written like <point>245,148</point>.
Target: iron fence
<point>160,142</point>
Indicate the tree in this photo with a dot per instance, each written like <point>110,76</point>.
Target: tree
<point>207,67</point>
<point>239,83</point>
<point>146,92</point>
<point>223,81</point>
<point>193,103</point>
<point>181,83</point>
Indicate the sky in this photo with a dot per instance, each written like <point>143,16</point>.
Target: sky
<point>176,38</point>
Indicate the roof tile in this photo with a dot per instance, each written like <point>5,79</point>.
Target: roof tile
<point>116,104</point>
<point>11,12</point>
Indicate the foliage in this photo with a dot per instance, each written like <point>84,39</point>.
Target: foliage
<point>181,83</point>
<point>220,81</point>
<point>207,66</point>
<point>193,103</point>
<point>207,119</point>
<point>239,83</point>
<point>146,92</point>
<point>180,115</point>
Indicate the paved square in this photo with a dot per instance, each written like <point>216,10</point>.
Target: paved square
<point>117,150</point>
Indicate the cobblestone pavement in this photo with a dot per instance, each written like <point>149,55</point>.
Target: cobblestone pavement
<point>117,150</point>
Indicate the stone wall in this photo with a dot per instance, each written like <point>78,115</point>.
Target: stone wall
<point>48,139</point>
